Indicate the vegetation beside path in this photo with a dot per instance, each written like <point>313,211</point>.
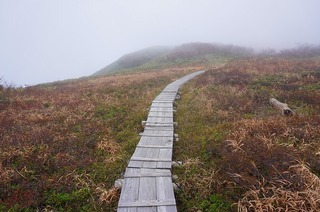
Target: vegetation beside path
<point>64,144</point>
<point>240,153</point>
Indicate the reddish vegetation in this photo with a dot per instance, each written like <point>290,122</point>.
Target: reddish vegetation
<point>274,152</point>
<point>258,159</point>
<point>64,143</point>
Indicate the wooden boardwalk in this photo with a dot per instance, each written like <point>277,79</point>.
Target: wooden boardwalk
<point>147,181</point>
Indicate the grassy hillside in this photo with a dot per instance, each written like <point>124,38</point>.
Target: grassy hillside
<point>63,145</point>
<point>191,54</point>
<point>135,59</point>
<point>240,153</point>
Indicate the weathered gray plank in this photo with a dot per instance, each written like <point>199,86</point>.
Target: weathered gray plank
<point>155,141</point>
<point>164,154</point>
<point>165,191</point>
<point>158,131</point>
<point>160,112</point>
<point>155,146</point>
<point>167,209</point>
<point>137,153</point>
<point>164,110</point>
<point>152,174</point>
<point>151,159</point>
<point>149,141</point>
<point>151,153</point>
<point>152,124</point>
<point>147,203</point>
<point>155,135</point>
<point>147,189</point>
<point>128,209</point>
<point>162,101</point>
<point>161,116</point>
<point>130,188</point>
<point>162,104</point>
<point>159,128</point>
<point>159,120</point>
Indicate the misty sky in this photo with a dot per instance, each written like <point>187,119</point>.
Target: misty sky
<point>48,40</point>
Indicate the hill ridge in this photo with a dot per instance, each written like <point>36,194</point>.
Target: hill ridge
<point>185,54</point>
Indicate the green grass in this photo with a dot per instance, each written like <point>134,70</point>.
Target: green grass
<point>233,142</point>
<point>65,144</point>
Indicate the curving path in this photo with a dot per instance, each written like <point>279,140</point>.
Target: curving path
<point>147,181</point>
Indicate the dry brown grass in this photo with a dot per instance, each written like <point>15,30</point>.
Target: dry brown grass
<point>246,151</point>
<point>269,150</point>
<point>108,196</point>
<point>279,195</point>
<point>61,141</point>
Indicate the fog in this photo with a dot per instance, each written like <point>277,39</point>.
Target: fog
<point>43,40</point>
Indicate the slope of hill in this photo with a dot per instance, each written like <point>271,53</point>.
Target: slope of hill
<point>135,59</point>
<point>239,153</point>
<point>64,144</point>
<point>183,55</point>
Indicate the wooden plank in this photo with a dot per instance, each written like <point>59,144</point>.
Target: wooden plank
<point>155,141</point>
<point>156,125</point>
<point>155,135</point>
<point>130,189</point>
<point>162,107</point>
<point>150,141</point>
<point>170,95</point>
<point>154,146</point>
<point>170,91</point>
<point>165,154</point>
<point>159,124</point>
<point>151,153</point>
<point>162,101</point>
<point>148,128</point>
<point>167,209</point>
<point>147,189</point>
<point>164,192</point>
<point>158,129</point>
<point>137,153</point>
<point>162,104</point>
<point>158,110</point>
<point>164,165</point>
<point>147,203</point>
<point>159,120</point>
<point>150,159</point>
<point>130,209</point>
<point>160,116</point>
<point>166,95</point>
<point>152,174</point>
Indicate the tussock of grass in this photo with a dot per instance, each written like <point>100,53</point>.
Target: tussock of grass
<point>108,196</point>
